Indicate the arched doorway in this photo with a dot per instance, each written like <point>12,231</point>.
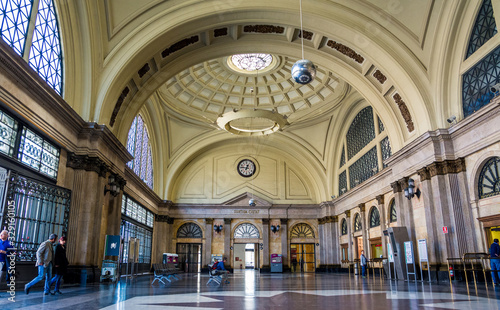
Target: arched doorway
<point>302,248</point>
<point>189,247</point>
<point>246,247</point>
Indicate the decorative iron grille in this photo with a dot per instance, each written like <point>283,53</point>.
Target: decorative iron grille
<point>144,234</point>
<point>489,178</point>
<point>342,182</point>
<point>344,227</point>
<point>189,230</point>
<point>374,217</point>
<point>246,231</point>
<point>363,168</point>
<point>361,132</point>
<point>357,222</point>
<point>484,28</point>
<point>302,230</point>
<point>342,157</point>
<point>38,209</point>
<point>381,127</point>
<point>385,146</point>
<point>392,212</point>
<point>138,145</point>
<point>477,81</point>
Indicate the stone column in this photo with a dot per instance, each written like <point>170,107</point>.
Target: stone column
<point>207,253</point>
<point>334,243</point>
<point>383,222</point>
<point>161,237</point>
<point>430,215</point>
<point>227,240</point>
<point>87,178</point>
<point>322,239</point>
<point>284,242</point>
<point>364,230</point>
<point>265,239</point>
<point>407,210</point>
<point>350,251</point>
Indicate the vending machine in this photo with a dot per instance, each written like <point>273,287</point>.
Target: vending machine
<point>276,263</point>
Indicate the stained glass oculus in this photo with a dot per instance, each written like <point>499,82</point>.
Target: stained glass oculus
<point>489,178</point>
<point>37,153</point>
<point>189,230</point>
<point>302,231</point>
<point>246,231</point>
<point>374,217</point>
<point>251,62</point>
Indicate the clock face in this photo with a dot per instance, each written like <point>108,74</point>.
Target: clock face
<point>246,168</point>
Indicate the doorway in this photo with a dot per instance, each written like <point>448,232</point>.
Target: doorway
<point>359,245</point>
<point>246,256</point>
<point>376,248</point>
<point>189,256</point>
<point>303,257</point>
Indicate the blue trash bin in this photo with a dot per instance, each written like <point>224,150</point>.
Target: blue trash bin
<point>83,277</point>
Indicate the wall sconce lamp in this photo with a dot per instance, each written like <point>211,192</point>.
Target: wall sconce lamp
<point>410,190</point>
<point>275,228</point>
<point>217,228</point>
<point>114,188</point>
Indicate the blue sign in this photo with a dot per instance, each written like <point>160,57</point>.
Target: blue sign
<point>112,245</point>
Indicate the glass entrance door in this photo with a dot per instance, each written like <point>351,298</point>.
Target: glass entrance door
<point>303,257</point>
<point>189,256</point>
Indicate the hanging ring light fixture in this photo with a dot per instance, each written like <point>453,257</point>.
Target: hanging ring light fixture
<point>303,71</point>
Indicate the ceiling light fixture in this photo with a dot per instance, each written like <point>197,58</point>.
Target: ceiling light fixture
<point>303,71</point>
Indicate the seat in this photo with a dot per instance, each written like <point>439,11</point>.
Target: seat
<point>213,276</point>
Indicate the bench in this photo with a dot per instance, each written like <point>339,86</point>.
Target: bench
<point>164,272</point>
<point>214,276</point>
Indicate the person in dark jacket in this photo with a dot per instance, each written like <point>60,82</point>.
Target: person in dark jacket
<point>60,264</point>
<point>495,262</point>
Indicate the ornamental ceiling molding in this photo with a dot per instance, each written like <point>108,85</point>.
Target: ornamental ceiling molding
<point>405,113</point>
<point>169,54</point>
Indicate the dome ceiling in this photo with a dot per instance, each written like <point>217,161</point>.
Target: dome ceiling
<point>208,90</point>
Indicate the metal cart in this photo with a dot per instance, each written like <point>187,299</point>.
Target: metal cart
<point>109,270</point>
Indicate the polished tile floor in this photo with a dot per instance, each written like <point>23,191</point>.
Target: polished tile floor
<point>251,290</point>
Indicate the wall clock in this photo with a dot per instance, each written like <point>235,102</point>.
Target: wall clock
<point>246,168</point>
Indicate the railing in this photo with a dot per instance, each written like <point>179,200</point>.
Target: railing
<point>469,262</point>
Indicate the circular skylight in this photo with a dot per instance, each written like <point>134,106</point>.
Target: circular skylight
<point>251,62</point>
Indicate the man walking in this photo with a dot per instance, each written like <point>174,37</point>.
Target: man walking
<point>495,262</point>
<point>44,257</point>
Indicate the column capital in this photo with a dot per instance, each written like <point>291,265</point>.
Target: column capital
<point>284,221</point>
<point>209,221</point>
<point>322,220</point>
<point>164,218</point>
<point>403,183</point>
<point>347,213</point>
<point>87,163</point>
<point>227,221</point>
<point>361,207</point>
<point>424,174</point>
<point>332,219</point>
<point>380,199</point>
<point>396,188</point>
<point>265,221</point>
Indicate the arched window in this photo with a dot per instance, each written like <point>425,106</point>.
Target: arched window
<point>359,152</point>
<point>478,80</point>
<point>357,222</point>
<point>484,28</point>
<point>392,212</point>
<point>44,48</point>
<point>374,217</point>
<point>189,230</point>
<point>246,231</point>
<point>489,178</point>
<point>302,230</point>
<point>344,227</point>
<point>138,145</point>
